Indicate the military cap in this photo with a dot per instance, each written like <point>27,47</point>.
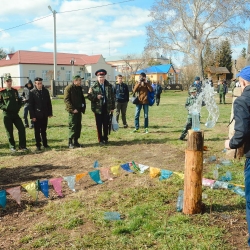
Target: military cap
<point>101,72</point>
<point>197,78</point>
<point>8,77</point>
<point>77,77</point>
<point>38,79</point>
<point>192,89</point>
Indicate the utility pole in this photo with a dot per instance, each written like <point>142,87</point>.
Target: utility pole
<point>55,63</point>
<point>248,51</point>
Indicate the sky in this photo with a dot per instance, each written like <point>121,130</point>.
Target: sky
<point>98,27</point>
<point>110,30</point>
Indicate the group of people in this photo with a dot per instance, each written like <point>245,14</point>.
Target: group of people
<point>104,97</point>
<point>36,101</point>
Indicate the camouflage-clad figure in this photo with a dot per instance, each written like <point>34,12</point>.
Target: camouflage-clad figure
<point>102,99</point>
<point>189,102</point>
<point>75,105</point>
<point>10,103</point>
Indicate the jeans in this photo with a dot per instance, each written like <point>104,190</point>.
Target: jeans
<point>25,116</point>
<point>247,192</point>
<point>137,115</point>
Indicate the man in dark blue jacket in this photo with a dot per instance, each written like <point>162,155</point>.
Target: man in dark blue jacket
<point>242,132</point>
<point>121,100</point>
<point>197,84</point>
<point>158,91</point>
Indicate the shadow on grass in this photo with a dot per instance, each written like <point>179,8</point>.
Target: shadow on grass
<point>215,139</point>
<point>12,177</point>
<point>218,208</point>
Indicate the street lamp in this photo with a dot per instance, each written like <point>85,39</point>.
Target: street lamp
<point>55,64</point>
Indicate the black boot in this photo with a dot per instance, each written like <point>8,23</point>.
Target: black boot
<point>77,144</point>
<point>71,143</point>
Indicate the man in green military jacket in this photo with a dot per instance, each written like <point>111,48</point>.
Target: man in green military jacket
<point>102,99</point>
<point>75,105</point>
<point>10,103</point>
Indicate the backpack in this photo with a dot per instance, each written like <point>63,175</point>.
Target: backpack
<point>151,98</point>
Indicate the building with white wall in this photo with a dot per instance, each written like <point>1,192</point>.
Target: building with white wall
<point>23,65</point>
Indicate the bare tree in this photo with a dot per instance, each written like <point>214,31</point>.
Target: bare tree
<point>188,72</point>
<point>187,25</point>
<point>3,53</point>
<point>133,63</point>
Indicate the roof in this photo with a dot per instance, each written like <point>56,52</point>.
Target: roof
<point>156,69</point>
<point>36,57</point>
<point>217,70</point>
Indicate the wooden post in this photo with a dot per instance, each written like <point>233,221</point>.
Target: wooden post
<point>192,203</point>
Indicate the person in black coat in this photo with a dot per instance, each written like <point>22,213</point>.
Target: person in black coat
<point>40,110</point>
<point>242,132</point>
<point>26,93</point>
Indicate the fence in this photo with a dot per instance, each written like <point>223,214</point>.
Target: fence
<point>59,87</point>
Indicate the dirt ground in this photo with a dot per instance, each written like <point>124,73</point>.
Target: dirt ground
<point>52,164</point>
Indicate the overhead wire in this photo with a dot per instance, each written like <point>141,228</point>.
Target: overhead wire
<point>94,7</point>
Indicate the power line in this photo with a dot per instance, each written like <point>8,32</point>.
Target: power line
<point>96,6</point>
<point>64,12</point>
<point>26,23</point>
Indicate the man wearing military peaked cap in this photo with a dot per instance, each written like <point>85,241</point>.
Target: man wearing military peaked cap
<point>102,99</point>
<point>40,110</point>
<point>38,79</point>
<point>101,72</point>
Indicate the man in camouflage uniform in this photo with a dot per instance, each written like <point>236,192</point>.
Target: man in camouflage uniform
<point>75,105</point>
<point>102,99</point>
<point>10,103</point>
<point>189,102</point>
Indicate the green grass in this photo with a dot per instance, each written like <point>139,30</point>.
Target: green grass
<point>147,206</point>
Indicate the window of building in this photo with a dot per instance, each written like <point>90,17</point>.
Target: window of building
<point>45,75</point>
<point>79,73</point>
<point>68,76</point>
<point>87,76</point>
<point>32,75</point>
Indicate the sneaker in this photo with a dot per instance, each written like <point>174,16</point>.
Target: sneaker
<point>181,138</point>
<point>71,146</point>
<point>46,146</point>
<point>125,126</point>
<point>146,131</point>
<point>13,150</point>
<point>38,148</point>
<point>101,143</point>
<point>136,130</point>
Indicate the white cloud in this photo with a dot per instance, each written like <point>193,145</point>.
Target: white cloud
<point>24,7</point>
<point>92,30</point>
<point>4,35</point>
